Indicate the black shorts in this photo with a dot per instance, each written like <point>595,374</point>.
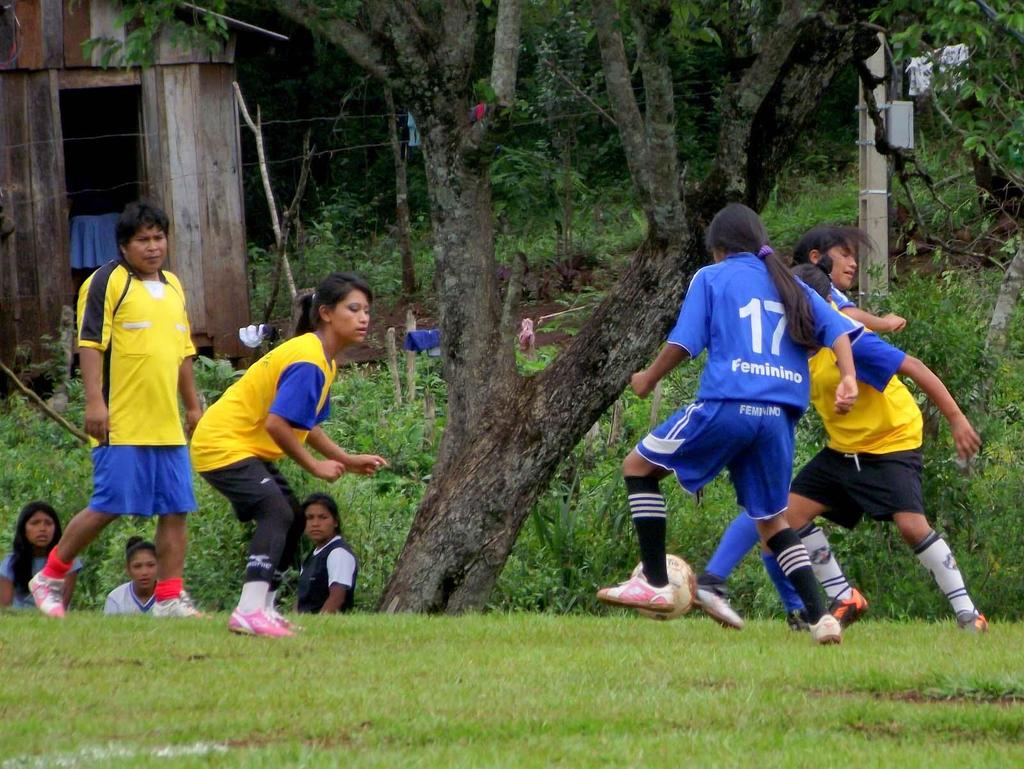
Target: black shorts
<point>249,484</point>
<point>850,485</point>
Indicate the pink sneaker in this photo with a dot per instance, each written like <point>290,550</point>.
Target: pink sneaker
<point>257,623</point>
<point>48,593</point>
<point>637,593</point>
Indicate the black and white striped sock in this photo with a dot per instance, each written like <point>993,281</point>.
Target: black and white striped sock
<point>647,506</point>
<point>796,565</point>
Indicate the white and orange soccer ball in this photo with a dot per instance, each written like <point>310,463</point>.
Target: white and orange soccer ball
<point>684,587</point>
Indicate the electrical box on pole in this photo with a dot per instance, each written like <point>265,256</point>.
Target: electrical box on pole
<point>899,124</point>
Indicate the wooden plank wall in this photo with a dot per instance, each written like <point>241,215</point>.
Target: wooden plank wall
<point>14,178</point>
<point>77,29</point>
<point>223,219</point>
<point>192,164</point>
<point>49,200</point>
<point>36,280</point>
<point>50,34</point>
<point>40,34</point>
<point>194,169</point>
<point>103,23</point>
<point>184,204</point>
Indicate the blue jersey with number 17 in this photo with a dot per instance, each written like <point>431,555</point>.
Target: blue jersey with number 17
<point>733,310</point>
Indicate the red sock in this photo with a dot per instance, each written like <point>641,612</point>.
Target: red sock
<point>56,568</point>
<point>166,589</point>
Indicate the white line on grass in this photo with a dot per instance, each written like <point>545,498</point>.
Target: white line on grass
<point>98,754</point>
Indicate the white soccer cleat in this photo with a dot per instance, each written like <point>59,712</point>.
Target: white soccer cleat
<point>180,606</point>
<point>827,630</point>
<point>48,593</point>
<point>715,604</point>
<point>638,593</point>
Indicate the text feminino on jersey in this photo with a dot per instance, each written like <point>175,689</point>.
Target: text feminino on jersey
<point>766,369</point>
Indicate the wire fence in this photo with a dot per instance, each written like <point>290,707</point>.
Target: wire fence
<point>150,181</point>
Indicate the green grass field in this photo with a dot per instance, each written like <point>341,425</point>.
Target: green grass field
<point>501,690</point>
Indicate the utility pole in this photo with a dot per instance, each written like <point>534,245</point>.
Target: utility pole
<point>874,190</point>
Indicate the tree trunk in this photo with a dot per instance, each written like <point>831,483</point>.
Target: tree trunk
<point>402,219</point>
<point>1006,303</point>
<point>478,367</point>
<point>472,512</point>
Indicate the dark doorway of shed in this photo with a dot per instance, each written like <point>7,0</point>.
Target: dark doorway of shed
<point>101,128</point>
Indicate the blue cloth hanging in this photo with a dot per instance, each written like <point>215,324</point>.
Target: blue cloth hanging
<point>428,340</point>
<point>93,240</point>
<point>414,133</point>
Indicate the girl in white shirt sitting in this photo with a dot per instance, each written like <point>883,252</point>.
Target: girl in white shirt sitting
<point>136,595</point>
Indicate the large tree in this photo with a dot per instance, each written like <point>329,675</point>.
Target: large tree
<point>507,433</point>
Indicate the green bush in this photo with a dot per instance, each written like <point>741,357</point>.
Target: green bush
<point>579,535</point>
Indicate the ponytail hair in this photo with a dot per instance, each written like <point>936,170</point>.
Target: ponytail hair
<point>332,289</point>
<point>816,276</point>
<point>736,229</point>
<point>134,545</point>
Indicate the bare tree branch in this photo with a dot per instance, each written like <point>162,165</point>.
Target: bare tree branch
<point>1006,303</point>
<point>41,404</point>
<point>660,120</point>
<point>506,51</point>
<point>579,91</point>
<point>765,111</point>
<point>267,189</point>
<point>622,98</point>
<point>291,215</point>
<point>355,42</point>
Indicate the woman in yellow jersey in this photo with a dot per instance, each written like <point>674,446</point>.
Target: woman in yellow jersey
<point>872,463</point>
<point>274,410</point>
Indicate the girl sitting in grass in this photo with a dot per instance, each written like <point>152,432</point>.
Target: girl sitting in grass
<point>136,595</point>
<point>37,531</point>
<point>327,582</point>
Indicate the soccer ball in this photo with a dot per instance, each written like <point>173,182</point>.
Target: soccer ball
<point>684,587</point>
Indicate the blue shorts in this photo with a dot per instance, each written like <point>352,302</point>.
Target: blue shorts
<point>754,440</point>
<point>142,480</point>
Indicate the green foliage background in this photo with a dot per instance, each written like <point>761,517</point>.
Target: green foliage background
<point>579,535</point>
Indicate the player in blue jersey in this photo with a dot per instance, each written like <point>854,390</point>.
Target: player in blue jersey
<point>834,249</point>
<point>880,440</point>
<point>758,325</point>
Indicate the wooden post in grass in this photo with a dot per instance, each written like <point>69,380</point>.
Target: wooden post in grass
<point>429,418</point>
<point>396,379</point>
<point>591,438</point>
<point>410,359</point>
<point>616,429</point>
<point>59,399</point>
<point>656,406</point>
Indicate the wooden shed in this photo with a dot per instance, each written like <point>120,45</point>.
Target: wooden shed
<point>78,141</point>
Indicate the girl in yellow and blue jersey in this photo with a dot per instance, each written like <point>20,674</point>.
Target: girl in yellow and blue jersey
<point>274,410</point>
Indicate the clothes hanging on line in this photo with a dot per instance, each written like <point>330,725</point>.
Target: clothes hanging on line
<point>93,240</point>
<point>426,340</point>
<point>920,69</point>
